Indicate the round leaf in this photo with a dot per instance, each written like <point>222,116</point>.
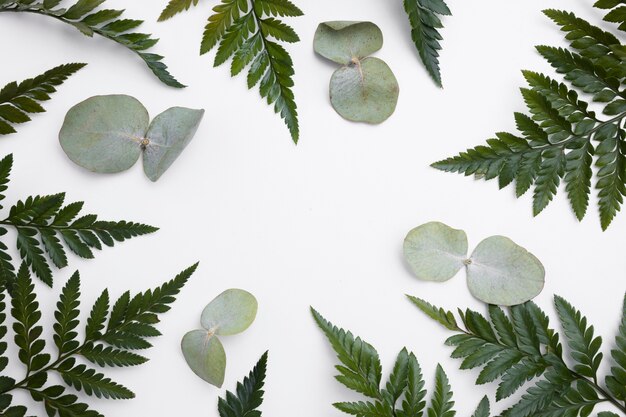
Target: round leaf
<point>503,273</point>
<point>205,356</point>
<point>343,42</point>
<point>366,91</point>
<point>104,133</point>
<point>169,133</point>
<point>435,252</point>
<point>231,312</point>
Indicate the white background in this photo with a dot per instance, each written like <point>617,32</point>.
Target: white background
<point>320,223</point>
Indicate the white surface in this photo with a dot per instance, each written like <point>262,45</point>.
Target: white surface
<point>318,224</point>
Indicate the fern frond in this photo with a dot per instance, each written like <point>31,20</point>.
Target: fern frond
<point>425,24</point>
<point>85,16</point>
<point>563,138</point>
<point>46,229</point>
<point>176,6</point>
<point>249,394</point>
<point>616,12</point>
<point>248,33</point>
<point>520,347</point>
<point>616,381</point>
<point>139,312</point>
<point>405,382</point>
<point>18,100</point>
<point>361,370</point>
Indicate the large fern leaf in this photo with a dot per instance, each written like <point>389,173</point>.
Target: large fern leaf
<point>85,16</point>
<point>18,100</point>
<point>248,397</point>
<point>129,321</point>
<point>562,137</point>
<point>425,25</point>
<point>249,33</point>
<point>47,229</point>
<point>520,346</point>
<point>360,371</point>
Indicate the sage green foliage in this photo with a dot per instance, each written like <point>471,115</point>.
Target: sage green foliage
<point>424,17</point>
<point>108,134</point>
<point>47,227</point>
<point>403,395</point>
<point>112,334</point>
<point>86,16</point>
<point>499,271</point>
<point>364,89</point>
<point>18,100</point>
<point>563,138</point>
<point>250,32</point>
<point>517,345</point>
<point>230,313</point>
<point>248,397</point>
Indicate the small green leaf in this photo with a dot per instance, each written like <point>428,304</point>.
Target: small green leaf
<point>230,313</point>
<point>435,252</point>
<point>503,273</point>
<point>345,42</point>
<point>205,356</point>
<point>104,133</point>
<point>168,135</point>
<point>365,91</point>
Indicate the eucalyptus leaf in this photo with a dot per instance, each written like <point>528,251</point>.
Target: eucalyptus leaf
<point>169,133</point>
<point>104,133</point>
<point>499,271</point>
<point>366,91</point>
<point>230,313</point>
<point>503,273</point>
<point>435,251</point>
<point>344,41</point>
<point>107,134</point>
<point>205,356</point>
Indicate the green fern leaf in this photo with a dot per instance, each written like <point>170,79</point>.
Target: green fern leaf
<point>108,356</point>
<point>176,6</point>
<point>249,395</point>
<point>247,31</point>
<point>91,382</point>
<point>106,23</point>
<point>25,311</point>
<point>616,381</point>
<point>425,24</point>
<point>17,100</point>
<point>559,141</point>
<point>45,228</point>
<point>364,409</point>
<point>57,402</point>
<point>398,379</point>
<point>67,316</point>
<point>445,318</point>
<point>361,370</point>
<point>585,348</point>
<point>414,401</point>
<point>616,13</point>
<point>483,408</point>
<point>441,403</point>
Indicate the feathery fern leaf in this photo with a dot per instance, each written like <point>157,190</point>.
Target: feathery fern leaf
<point>616,12</point>
<point>520,346</point>
<point>248,397</point>
<point>108,23</point>
<point>360,367</point>
<point>46,227</point>
<point>248,33</point>
<point>616,381</point>
<point>562,138</point>
<point>425,22</point>
<point>17,101</point>
<point>143,309</point>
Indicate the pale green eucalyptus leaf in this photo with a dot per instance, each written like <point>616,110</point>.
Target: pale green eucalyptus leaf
<point>205,355</point>
<point>365,91</point>
<point>435,251</point>
<point>343,42</point>
<point>231,312</point>
<point>169,133</point>
<point>104,133</point>
<point>503,273</point>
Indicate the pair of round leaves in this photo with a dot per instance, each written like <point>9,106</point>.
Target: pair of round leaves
<point>364,89</point>
<point>230,313</point>
<point>108,134</point>
<point>499,271</point>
